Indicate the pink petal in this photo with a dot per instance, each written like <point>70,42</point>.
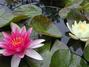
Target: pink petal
<point>21,55</point>
<point>6,35</point>
<point>23,29</point>
<point>1,51</point>
<point>15,61</point>
<point>33,54</point>
<point>2,45</point>
<point>36,43</point>
<point>30,31</point>
<point>15,27</point>
<point>7,53</point>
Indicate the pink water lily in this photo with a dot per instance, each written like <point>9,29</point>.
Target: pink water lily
<point>18,43</point>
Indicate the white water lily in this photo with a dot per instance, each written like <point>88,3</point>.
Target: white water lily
<point>79,30</point>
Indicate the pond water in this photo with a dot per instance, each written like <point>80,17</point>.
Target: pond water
<point>76,46</point>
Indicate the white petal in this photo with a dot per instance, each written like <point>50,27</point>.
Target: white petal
<point>69,27</point>
<point>80,22</point>
<point>15,61</point>
<point>84,22</point>
<point>75,23</point>
<point>83,39</point>
<point>33,54</point>
<point>37,46</point>
<point>1,51</point>
<point>73,36</point>
<point>36,43</point>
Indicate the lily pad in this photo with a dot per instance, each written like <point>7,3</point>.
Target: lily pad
<point>46,53</point>
<point>18,18</point>
<point>73,5</point>
<point>44,26</point>
<point>86,51</point>
<point>5,16</point>
<point>64,58</point>
<point>58,56</point>
<point>28,10</point>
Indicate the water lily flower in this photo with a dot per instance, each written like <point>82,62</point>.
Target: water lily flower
<point>79,30</point>
<point>18,44</point>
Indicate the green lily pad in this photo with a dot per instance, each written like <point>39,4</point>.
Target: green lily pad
<point>64,58</point>
<point>18,18</point>
<point>44,26</point>
<point>73,4</point>
<point>86,51</point>
<point>46,53</point>
<point>6,16</point>
<point>28,10</point>
<point>58,56</point>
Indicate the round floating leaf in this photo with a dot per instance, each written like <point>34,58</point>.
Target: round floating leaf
<point>28,10</point>
<point>64,12</point>
<point>74,4</point>
<point>64,58</point>
<point>86,51</point>
<point>5,16</point>
<point>18,18</point>
<point>44,26</point>
<point>58,56</point>
<point>1,36</point>
<point>46,53</point>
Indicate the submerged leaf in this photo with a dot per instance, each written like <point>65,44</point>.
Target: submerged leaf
<point>44,26</point>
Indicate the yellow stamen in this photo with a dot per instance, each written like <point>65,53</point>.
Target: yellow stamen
<point>82,26</point>
<point>17,41</point>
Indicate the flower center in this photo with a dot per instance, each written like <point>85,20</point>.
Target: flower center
<point>82,27</point>
<point>17,41</point>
